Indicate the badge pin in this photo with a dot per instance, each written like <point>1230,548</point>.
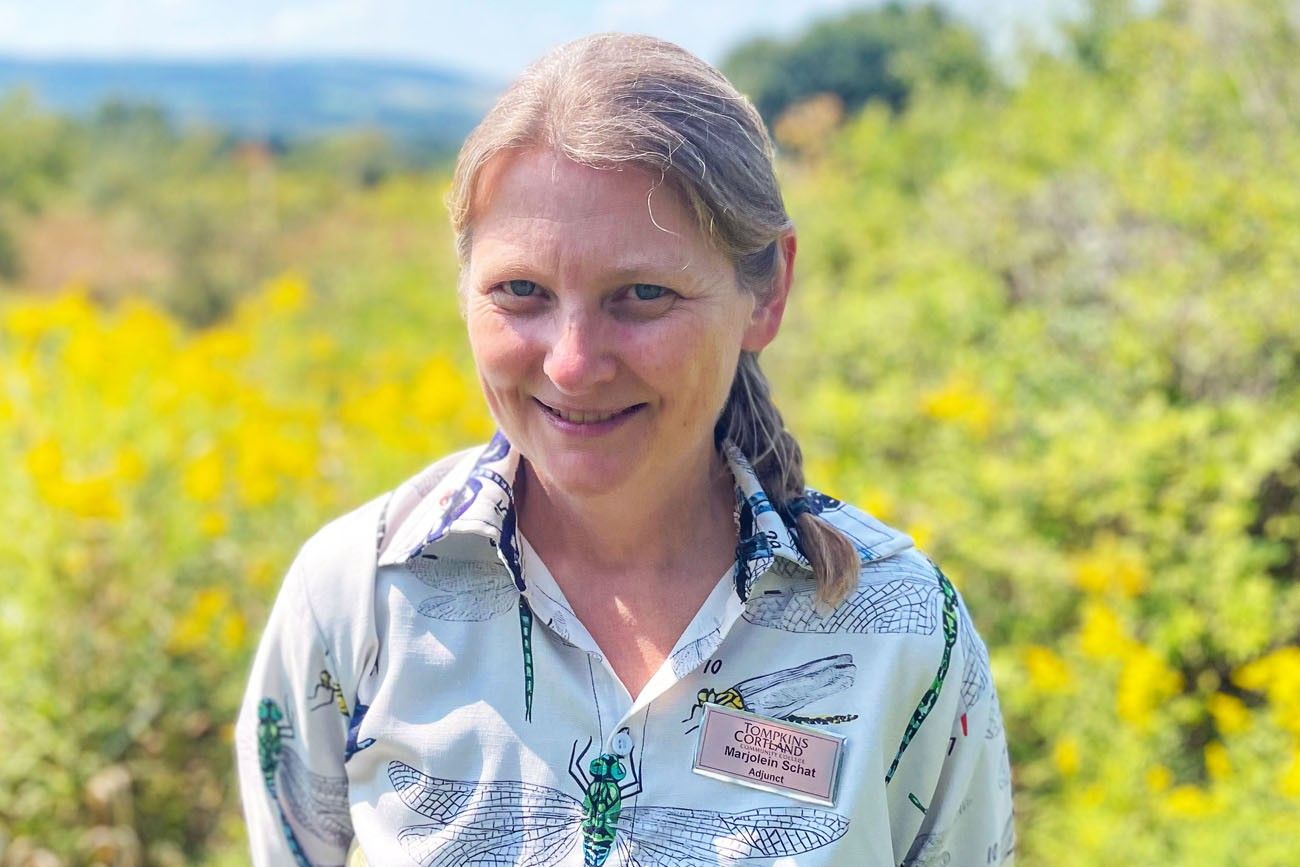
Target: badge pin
<point>798,761</point>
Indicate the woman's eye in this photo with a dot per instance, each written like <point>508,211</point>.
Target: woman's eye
<point>648,291</point>
<point>520,288</point>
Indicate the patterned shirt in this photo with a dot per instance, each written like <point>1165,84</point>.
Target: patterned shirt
<point>448,707</point>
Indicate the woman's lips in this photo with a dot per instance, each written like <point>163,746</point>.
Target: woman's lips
<point>588,421</point>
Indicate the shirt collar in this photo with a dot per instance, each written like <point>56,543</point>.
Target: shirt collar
<point>476,497</point>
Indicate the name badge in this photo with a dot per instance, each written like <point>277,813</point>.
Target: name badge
<point>776,756</point>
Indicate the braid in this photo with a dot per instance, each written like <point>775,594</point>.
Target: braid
<point>750,420</point>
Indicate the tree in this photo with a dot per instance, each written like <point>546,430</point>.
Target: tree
<point>880,53</point>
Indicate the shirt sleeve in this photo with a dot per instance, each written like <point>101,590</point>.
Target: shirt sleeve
<point>969,816</point>
<point>291,740</point>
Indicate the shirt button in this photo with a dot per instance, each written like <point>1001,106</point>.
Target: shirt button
<point>596,657</point>
<point>621,744</point>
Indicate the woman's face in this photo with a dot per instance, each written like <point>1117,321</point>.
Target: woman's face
<point>605,329</point>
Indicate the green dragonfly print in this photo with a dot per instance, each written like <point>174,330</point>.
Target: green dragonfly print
<point>476,591</point>
<point>319,804</point>
<point>511,822</point>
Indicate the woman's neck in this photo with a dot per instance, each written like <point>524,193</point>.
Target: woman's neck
<point>655,527</point>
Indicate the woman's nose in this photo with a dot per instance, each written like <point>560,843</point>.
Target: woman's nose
<point>579,357</point>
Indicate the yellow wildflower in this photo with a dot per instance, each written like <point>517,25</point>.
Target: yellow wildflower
<point>1289,783</point>
<point>1144,683</point>
<point>1108,567</point>
<point>233,630</point>
<point>1101,635</point>
<point>960,401</point>
<point>922,535</point>
<point>213,524</point>
<point>1065,755</point>
<point>1159,778</point>
<point>878,502</point>
<point>219,344</point>
<point>286,294</point>
<point>26,320</point>
<point>1217,763</point>
<point>194,629</point>
<point>128,465</point>
<point>45,461</point>
<point>86,498</point>
<point>1189,802</point>
<point>203,477</point>
<point>1229,712</point>
<point>1277,675</point>
<point>437,392</point>
<point>1047,671</point>
<point>261,573</point>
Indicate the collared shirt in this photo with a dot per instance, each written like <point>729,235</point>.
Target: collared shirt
<point>449,708</point>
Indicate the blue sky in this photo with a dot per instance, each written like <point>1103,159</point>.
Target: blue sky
<point>493,38</point>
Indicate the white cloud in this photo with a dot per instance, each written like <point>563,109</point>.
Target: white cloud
<point>10,21</point>
<point>331,21</point>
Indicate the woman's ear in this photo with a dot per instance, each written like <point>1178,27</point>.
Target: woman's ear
<point>766,319</point>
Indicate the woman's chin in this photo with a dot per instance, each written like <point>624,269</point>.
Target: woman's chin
<point>587,475</point>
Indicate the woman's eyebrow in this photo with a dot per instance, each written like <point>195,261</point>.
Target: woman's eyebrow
<point>623,270</point>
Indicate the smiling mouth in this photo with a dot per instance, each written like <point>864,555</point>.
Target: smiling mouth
<point>574,417</point>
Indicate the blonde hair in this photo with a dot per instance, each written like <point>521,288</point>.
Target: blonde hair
<point>616,99</point>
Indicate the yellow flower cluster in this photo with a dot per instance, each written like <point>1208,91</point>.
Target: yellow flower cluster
<point>1277,677</point>
<point>1145,680</point>
<point>1110,567</point>
<point>237,417</point>
<point>961,402</point>
<point>210,618</point>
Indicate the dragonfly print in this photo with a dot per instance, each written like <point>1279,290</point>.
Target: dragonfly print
<point>899,600</point>
<point>691,656</point>
<point>781,694</point>
<point>511,822</point>
<point>333,693</point>
<point>473,591</point>
<point>318,803</point>
<point>927,851</point>
<point>931,696</point>
<point>975,670</point>
<point>754,552</point>
<point>464,590</point>
<point>465,496</point>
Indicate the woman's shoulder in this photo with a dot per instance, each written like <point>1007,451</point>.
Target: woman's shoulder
<point>900,586</point>
<point>876,541</point>
<point>338,561</point>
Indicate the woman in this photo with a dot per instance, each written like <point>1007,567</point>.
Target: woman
<point>623,631</point>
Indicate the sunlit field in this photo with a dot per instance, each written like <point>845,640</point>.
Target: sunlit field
<point>1051,331</point>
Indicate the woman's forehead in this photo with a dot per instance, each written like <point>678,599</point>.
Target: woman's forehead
<point>542,206</point>
<point>545,185</point>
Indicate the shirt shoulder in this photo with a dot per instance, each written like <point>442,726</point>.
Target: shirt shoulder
<point>335,568</point>
<point>901,591</point>
<point>874,539</point>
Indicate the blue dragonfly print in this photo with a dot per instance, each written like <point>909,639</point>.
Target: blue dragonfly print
<point>511,822</point>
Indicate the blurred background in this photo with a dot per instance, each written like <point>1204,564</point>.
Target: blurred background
<point>1046,320</point>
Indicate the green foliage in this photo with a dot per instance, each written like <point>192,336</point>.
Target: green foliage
<point>880,53</point>
<point>34,153</point>
<point>1065,349</point>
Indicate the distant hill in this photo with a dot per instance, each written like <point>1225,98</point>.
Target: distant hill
<point>282,99</point>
